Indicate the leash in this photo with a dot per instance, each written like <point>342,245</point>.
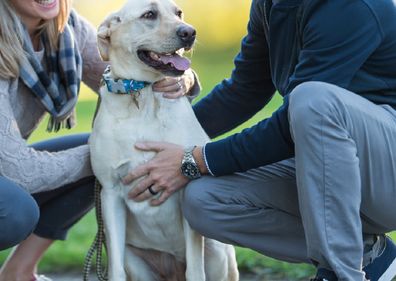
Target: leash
<point>100,239</point>
<point>98,244</point>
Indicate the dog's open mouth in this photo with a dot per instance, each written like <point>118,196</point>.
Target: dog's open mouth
<point>168,63</point>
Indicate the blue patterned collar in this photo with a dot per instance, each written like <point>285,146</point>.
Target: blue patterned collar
<point>122,86</point>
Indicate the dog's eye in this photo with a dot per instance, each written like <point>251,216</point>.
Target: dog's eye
<point>179,13</point>
<point>150,15</point>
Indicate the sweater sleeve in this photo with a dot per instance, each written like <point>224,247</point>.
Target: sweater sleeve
<point>93,65</point>
<point>33,170</point>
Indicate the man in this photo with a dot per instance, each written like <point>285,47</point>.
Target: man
<point>316,182</point>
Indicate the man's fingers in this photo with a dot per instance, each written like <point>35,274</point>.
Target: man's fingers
<point>151,146</point>
<point>140,188</point>
<point>146,194</point>
<point>134,174</point>
<point>164,196</point>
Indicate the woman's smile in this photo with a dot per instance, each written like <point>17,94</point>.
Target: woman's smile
<point>33,12</point>
<point>47,4</point>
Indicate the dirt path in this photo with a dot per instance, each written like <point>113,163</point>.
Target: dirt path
<point>78,277</point>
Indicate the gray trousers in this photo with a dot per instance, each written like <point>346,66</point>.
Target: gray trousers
<point>320,206</point>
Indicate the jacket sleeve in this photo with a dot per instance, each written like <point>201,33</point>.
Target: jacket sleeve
<point>248,90</point>
<point>332,51</point>
<point>33,170</point>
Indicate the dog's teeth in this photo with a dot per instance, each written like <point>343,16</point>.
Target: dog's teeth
<point>154,56</point>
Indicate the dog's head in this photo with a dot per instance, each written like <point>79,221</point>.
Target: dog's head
<point>146,39</point>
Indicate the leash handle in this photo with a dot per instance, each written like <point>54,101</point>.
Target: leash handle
<point>98,243</point>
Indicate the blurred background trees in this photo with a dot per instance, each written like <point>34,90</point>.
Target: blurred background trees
<point>220,23</point>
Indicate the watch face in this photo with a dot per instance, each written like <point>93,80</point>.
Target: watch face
<point>190,170</point>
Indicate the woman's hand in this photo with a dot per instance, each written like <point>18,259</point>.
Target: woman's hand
<point>163,174</point>
<point>175,87</point>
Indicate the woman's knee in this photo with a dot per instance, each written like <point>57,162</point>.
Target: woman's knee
<point>19,214</point>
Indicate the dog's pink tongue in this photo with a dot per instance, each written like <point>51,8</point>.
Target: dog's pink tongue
<point>179,62</point>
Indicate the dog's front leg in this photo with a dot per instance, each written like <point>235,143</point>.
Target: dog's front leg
<point>194,254</point>
<point>114,218</point>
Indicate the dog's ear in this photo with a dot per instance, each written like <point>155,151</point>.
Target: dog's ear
<point>104,34</point>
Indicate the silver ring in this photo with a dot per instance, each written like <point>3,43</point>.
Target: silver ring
<point>179,84</point>
<point>150,188</point>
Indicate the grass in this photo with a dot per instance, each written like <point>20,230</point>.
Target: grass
<point>69,255</point>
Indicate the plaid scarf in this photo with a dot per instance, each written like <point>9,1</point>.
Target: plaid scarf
<point>58,86</point>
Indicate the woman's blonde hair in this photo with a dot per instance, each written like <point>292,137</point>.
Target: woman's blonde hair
<point>11,36</point>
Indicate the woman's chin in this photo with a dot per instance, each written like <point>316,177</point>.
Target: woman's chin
<point>47,9</point>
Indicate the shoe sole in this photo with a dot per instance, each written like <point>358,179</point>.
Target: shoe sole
<point>389,273</point>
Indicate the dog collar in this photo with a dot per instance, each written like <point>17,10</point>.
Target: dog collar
<point>122,86</point>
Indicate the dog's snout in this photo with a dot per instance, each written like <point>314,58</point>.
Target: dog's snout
<point>187,34</point>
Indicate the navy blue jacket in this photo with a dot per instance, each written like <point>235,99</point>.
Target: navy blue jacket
<point>349,43</point>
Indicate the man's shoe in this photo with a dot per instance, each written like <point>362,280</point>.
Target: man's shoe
<point>383,267</point>
<point>324,275</point>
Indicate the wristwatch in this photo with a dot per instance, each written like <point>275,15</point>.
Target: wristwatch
<point>189,167</point>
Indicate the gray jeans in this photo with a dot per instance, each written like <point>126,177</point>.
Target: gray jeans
<point>48,214</point>
<point>320,206</point>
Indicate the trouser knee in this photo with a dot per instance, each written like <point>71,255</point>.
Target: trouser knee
<point>19,215</point>
<point>310,102</point>
<point>197,210</point>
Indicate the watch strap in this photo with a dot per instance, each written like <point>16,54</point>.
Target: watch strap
<point>190,167</point>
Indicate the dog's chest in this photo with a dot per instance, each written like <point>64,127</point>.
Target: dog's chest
<point>157,126</point>
<point>120,124</point>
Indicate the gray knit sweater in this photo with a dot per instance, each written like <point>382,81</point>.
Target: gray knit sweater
<point>20,113</point>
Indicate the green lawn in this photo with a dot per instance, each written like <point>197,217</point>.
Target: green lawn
<point>69,256</point>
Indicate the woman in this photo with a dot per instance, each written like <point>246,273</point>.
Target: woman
<point>46,50</point>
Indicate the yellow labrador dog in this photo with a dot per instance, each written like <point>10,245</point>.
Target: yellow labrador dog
<point>144,41</point>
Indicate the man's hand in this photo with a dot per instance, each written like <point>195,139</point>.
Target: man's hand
<point>162,173</point>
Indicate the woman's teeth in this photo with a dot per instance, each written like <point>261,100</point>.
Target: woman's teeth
<point>45,2</point>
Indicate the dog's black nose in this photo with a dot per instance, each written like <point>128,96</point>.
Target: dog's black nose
<point>187,34</point>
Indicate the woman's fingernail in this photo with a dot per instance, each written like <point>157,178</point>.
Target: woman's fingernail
<point>140,145</point>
